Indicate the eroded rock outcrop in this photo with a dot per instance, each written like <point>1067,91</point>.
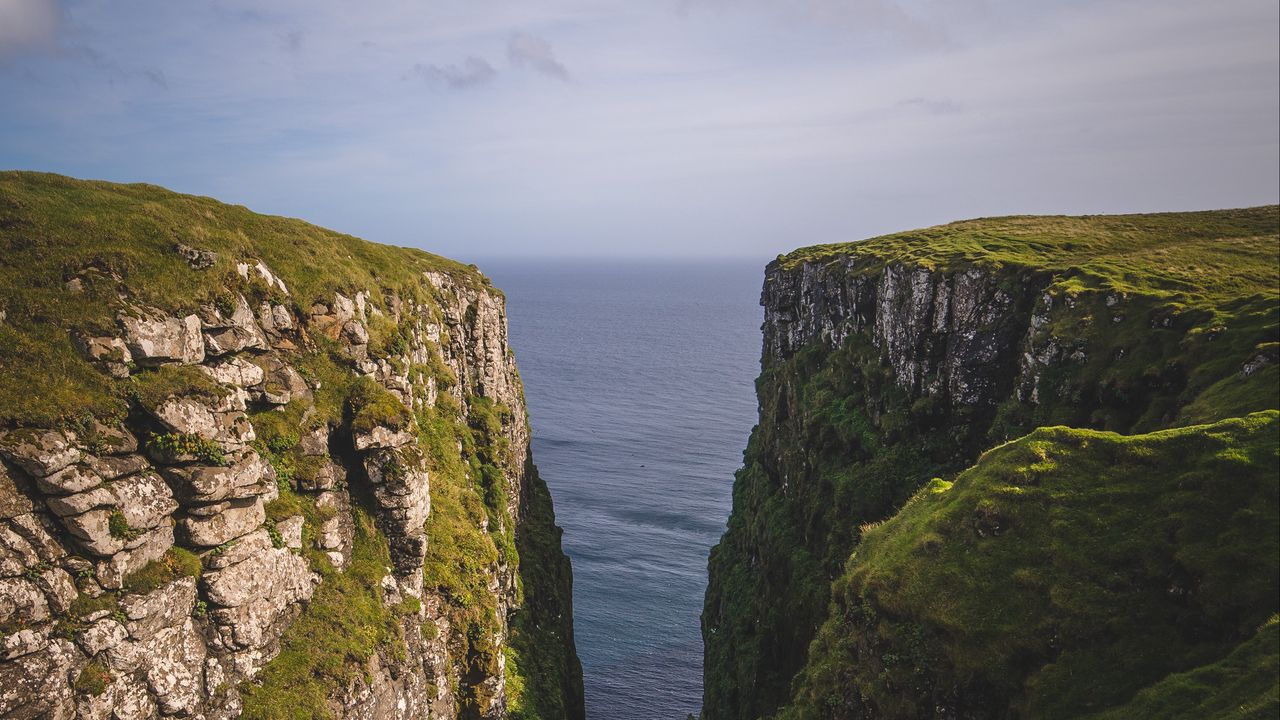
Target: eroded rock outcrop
<point>277,459</point>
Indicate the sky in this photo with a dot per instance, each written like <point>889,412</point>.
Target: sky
<point>656,128</point>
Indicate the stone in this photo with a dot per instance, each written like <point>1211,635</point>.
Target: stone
<point>248,475</point>
<point>239,332</point>
<point>240,519</point>
<point>108,353</point>
<point>59,590</point>
<point>73,479</point>
<point>145,549</point>
<point>65,505</point>
<point>13,501</point>
<point>239,550</point>
<point>40,452</point>
<point>101,635</point>
<point>164,340</point>
<point>290,530</point>
<point>36,685</point>
<point>315,442</point>
<point>266,573</point>
<point>188,417</point>
<point>92,531</point>
<point>236,371</point>
<point>166,606</point>
<point>145,500</point>
<point>110,468</point>
<point>23,642</point>
<point>196,258</point>
<point>21,601</point>
<point>382,437</point>
<point>175,668</point>
<point>256,594</point>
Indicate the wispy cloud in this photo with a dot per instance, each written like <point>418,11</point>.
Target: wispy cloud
<point>525,50</point>
<point>471,73</point>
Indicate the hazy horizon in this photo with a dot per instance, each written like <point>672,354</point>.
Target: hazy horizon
<point>678,129</point>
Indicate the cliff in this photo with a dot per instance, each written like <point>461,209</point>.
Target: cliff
<point>255,468</point>
<point>842,589</point>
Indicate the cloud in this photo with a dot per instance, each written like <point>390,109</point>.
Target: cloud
<point>525,50</point>
<point>933,106</point>
<point>291,41</point>
<point>471,73</point>
<point>27,25</point>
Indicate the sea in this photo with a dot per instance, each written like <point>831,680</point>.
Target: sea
<point>639,377</point>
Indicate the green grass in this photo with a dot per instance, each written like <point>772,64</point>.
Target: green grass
<point>1241,686</point>
<point>1199,258</point>
<point>1058,576</point>
<point>176,563</point>
<point>55,228</point>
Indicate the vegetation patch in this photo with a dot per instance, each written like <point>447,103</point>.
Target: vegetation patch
<point>370,405</point>
<point>93,679</point>
<point>176,563</point>
<point>1057,577</point>
<point>152,388</point>
<point>338,632</point>
<point>182,444</point>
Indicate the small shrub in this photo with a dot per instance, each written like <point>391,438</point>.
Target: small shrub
<point>119,527</point>
<point>178,444</point>
<point>93,679</point>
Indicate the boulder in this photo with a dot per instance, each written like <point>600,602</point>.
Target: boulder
<point>238,332</point>
<point>71,479</point>
<point>247,475</point>
<point>40,452</point>
<point>236,371</point>
<point>241,518</point>
<point>164,340</point>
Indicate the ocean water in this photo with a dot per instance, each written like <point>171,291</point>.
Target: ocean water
<point>639,380</point>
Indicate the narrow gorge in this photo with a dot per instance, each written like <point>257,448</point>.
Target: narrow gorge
<point>1014,467</point>
<point>255,468</point>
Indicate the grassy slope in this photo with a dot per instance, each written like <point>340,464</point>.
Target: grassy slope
<point>1061,574</point>
<point>55,228</point>
<point>1208,257</point>
<point>1200,297</point>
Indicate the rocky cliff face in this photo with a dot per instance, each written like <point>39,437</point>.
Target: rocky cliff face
<point>319,506</point>
<point>890,362</point>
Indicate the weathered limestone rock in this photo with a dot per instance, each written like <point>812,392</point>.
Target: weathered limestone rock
<point>243,516</point>
<point>336,534</point>
<point>236,371</point>
<point>106,468</point>
<point>40,452</point>
<point>72,479</point>
<point>382,437</point>
<point>236,333</point>
<point>164,340</point>
<point>248,475</point>
<point>255,594</point>
<point>22,601</point>
<point>290,530</point>
<point>101,635</point>
<point>36,685</point>
<point>149,547</point>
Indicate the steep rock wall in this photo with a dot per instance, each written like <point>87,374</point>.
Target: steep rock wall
<point>884,365</point>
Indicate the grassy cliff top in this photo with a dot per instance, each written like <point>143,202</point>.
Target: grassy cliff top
<point>1193,257</point>
<point>1064,572</point>
<point>74,254</point>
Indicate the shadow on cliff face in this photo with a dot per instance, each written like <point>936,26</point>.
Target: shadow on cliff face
<point>554,687</point>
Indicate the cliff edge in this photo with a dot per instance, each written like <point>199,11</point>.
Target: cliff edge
<point>878,564</point>
<point>255,468</point>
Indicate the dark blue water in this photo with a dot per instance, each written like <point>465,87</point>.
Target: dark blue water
<point>639,379</point>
